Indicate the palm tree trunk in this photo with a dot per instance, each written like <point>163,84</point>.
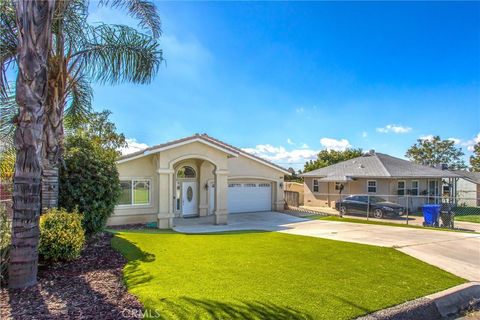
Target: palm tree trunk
<point>34,20</point>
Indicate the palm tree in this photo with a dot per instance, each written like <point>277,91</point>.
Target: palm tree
<point>34,22</point>
<point>82,53</point>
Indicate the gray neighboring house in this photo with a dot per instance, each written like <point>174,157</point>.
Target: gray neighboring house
<point>375,174</point>
<point>468,187</point>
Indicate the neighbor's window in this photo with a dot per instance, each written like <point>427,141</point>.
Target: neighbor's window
<point>372,186</point>
<point>401,188</point>
<point>315,185</point>
<point>414,190</point>
<point>134,192</point>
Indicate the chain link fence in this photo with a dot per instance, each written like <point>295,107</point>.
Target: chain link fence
<point>452,212</point>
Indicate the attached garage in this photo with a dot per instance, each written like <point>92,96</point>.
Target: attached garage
<point>249,197</point>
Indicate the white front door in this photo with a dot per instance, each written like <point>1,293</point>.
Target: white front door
<point>189,198</point>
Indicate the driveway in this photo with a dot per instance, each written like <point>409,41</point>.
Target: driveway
<point>456,252</point>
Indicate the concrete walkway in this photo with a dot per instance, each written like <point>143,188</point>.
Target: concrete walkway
<point>456,252</point>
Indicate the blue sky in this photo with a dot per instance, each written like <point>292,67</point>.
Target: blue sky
<point>286,80</point>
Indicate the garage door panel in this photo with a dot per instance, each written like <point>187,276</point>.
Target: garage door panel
<point>249,197</point>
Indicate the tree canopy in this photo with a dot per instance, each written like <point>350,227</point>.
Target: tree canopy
<point>435,151</point>
<point>475,158</point>
<point>326,158</point>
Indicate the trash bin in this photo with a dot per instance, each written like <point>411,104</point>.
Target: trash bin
<point>430,214</point>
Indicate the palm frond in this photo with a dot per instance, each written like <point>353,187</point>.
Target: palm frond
<point>79,104</point>
<point>8,43</point>
<point>143,10</point>
<point>115,54</point>
<point>8,112</point>
<point>74,17</point>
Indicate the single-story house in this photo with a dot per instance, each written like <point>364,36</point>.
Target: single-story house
<point>468,187</point>
<point>195,176</point>
<point>375,174</point>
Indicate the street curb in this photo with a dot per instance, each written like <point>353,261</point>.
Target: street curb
<point>435,306</point>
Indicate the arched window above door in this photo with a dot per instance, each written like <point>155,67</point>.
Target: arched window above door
<point>186,172</point>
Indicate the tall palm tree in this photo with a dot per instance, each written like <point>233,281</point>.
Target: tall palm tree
<point>34,22</point>
<point>82,53</point>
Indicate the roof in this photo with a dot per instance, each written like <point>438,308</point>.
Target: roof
<point>471,176</point>
<point>377,165</point>
<point>233,151</point>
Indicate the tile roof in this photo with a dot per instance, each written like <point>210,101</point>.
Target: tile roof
<point>378,165</point>
<point>206,138</point>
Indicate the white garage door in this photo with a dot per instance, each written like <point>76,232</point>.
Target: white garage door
<point>249,197</point>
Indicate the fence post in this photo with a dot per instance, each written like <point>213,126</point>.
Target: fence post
<point>406,208</point>
<point>368,206</point>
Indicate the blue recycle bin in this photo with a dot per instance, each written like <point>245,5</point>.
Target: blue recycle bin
<point>430,214</point>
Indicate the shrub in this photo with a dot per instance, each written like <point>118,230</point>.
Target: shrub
<point>89,181</point>
<point>5,242</point>
<point>61,235</point>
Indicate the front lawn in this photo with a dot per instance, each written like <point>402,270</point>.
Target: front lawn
<point>269,275</point>
<point>468,214</point>
<point>469,218</point>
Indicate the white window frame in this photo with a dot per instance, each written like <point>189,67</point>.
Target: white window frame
<point>404,188</point>
<point>315,184</point>
<point>417,188</point>
<point>368,186</point>
<point>132,179</point>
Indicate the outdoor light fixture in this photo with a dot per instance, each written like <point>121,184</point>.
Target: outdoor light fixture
<point>206,186</point>
<point>280,185</point>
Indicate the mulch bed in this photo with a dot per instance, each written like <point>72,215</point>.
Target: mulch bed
<point>88,288</point>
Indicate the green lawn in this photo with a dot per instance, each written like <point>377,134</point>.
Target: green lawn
<point>269,275</point>
<point>469,218</point>
<point>468,214</point>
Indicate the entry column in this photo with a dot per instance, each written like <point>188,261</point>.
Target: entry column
<point>221,196</point>
<point>165,198</point>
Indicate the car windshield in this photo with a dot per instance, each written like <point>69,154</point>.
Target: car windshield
<point>375,199</point>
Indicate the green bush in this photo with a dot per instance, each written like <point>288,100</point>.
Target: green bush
<point>5,241</point>
<point>89,181</point>
<point>61,235</point>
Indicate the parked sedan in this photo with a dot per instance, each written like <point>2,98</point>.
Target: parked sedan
<point>379,207</point>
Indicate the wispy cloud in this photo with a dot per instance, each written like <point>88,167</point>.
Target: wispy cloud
<point>393,128</point>
<point>426,137</point>
<point>468,144</point>
<point>133,146</point>
<point>304,146</point>
<point>289,141</point>
<point>300,110</point>
<point>364,134</point>
<point>334,144</point>
<point>281,155</point>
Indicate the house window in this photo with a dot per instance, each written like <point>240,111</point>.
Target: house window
<point>250,185</point>
<point>186,172</point>
<point>372,186</point>
<point>135,192</point>
<point>264,185</point>
<point>401,188</point>
<point>234,185</point>
<point>315,185</point>
<point>414,191</point>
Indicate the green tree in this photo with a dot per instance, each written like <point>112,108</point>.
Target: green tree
<point>435,151</point>
<point>82,53</point>
<point>475,158</point>
<point>326,158</point>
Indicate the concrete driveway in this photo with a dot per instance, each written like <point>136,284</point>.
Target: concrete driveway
<point>456,252</point>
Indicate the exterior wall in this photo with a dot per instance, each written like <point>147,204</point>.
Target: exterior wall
<point>468,193</point>
<point>327,195</point>
<point>296,187</point>
<point>212,166</point>
<point>243,168</point>
<point>143,168</point>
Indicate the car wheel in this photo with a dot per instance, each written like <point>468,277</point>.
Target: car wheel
<point>343,210</point>
<point>378,213</point>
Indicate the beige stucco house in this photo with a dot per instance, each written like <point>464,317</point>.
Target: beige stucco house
<point>195,176</point>
<point>375,174</point>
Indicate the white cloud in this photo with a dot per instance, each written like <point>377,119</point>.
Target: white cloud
<point>394,128</point>
<point>334,144</point>
<point>289,141</point>
<point>364,134</point>
<point>469,144</point>
<point>300,110</point>
<point>304,146</point>
<point>427,137</point>
<point>133,146</point>
<point>455,140</point>
<point>281,155</point>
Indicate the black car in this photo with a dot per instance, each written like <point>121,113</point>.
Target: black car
<point>379,207</point>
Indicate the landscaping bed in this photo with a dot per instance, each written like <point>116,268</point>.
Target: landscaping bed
<point>90,287</point>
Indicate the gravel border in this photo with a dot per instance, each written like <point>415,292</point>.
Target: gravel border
<point>90,287</point>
